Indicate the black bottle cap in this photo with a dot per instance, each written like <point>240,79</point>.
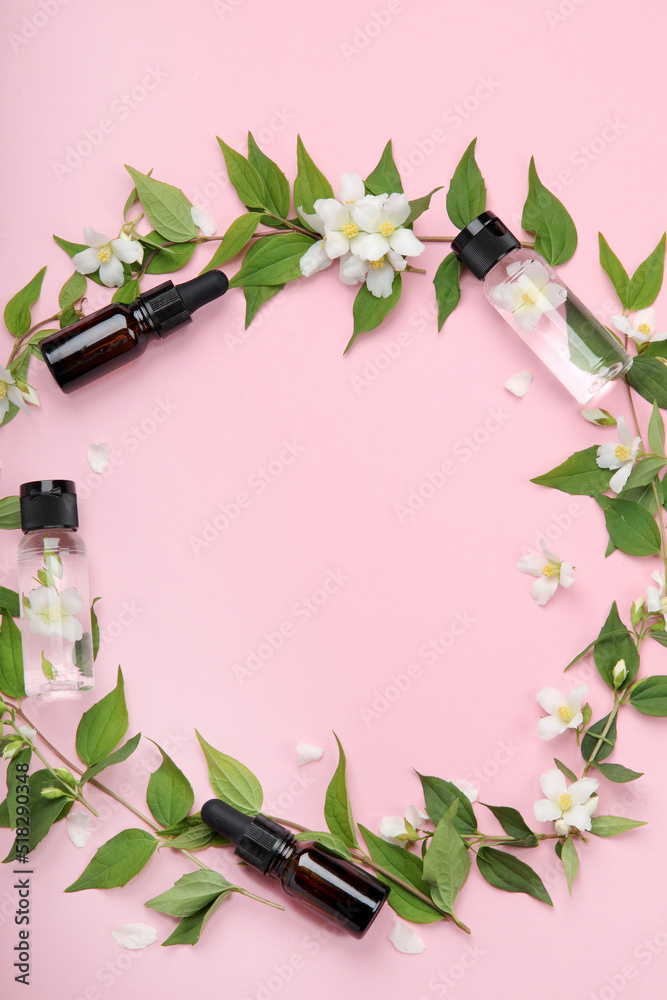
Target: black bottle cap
<point>48,503</point>
<point>484,242</point>
<point>259,840</point>
<point>170,306</point>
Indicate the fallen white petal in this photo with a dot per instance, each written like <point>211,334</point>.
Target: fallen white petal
<point>305,753</point>
<point>98,456</point>
<point>405,939</point>
<point>29,733</point>
<point>415,817</point>
<point>134,936</point>
<point>519,384</point>
<point>79,828</point>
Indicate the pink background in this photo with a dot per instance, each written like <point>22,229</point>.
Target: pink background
<point>195,419</point>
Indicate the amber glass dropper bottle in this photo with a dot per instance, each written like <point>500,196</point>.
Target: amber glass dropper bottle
<point>116,334</point>
<point>336,889</point>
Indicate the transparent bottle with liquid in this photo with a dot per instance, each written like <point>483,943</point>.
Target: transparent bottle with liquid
<point>541,309</point>
<point>56,633</point>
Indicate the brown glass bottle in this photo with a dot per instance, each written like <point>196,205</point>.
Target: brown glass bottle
<point>112,336</point>
<point>338,890</point>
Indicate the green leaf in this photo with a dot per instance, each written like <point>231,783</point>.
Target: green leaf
<point>255,297</point>
<point>10,513</point>
<point>166,206</point>
<point>232,781</point>
<point>119,755</point>
<point>570,861</point>
<point>43,812</point>
<point>588,346</point>
<point>103,726</point>
<point>117,861</point>
<point>592,737</point>
<point>73,290</point>
<point>504,871</point>
<point>649,378</point>
<point>95,627</point>
<point>630,526</point>
<point>645,496</point>
<point>190,928</point>
<point>579,475</point>
<point>190,893</point>
<point>273,260</point>
<point>513,823</point>
<point>644,472</point>
<point>128,292</point>
<point>385,178</point>
<point>196,837</point>
<point>612,826</point>
<point>646,282</point>
<point>11,658</point>
<point>657,349</point>
<point>447,287</point>
<point>408,867</point>
<point>439,796</point>
<point>615,270</point>
<point>650,696</point>
<point>546,217</point>
<point>466,198</point>
<point>17,310</point>
<point>618,773</point>
<point>369,311</point>
<point>570,775</point>
<point>9,600</point>
<point>310,183</point>
<point>656,431</point>
<point>420,205</point>
<point>337,808</point>
<point>4,813</point>
<point>234,240</point>
<point>326,839</point>
<point>619,646</point>
<point>168,259</point>
<point>659,635</point>
<point>16,777</point>
<point>447,863</point>
<point>245,179</point>
<point>169,794</point>
<point>276,185</point>
<point>71,249</point>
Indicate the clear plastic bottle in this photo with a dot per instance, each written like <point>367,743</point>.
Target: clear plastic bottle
<point>536,303</point>
<point>56,629</point>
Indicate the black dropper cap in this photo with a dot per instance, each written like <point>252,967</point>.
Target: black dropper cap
<point>258,839</point>
<point>48,503</point>
<point>484,242</point>
<point>170,306</point>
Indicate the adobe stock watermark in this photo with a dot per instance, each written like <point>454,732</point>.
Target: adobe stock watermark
<point>235,340</point>
<point>283,973</point>
<point>120,109</point>
<point>110,631</point>
<point>436,478</point>
<point>257,484</point>
<point>403,680</point>
<point>448,978</point>
<point>586,154</point>
<point>301,612</point>
<point>643,954</point>
<point>390,350</point>
<point>559,524</point>
<point>566,8</point>
<point>363,34</point>
<point>32,24</point>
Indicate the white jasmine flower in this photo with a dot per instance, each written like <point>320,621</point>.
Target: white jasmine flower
<point>382,218</point>
<point>10,393</point>
<point>107,255</point>
<point>98,456</point>
<point>79,828</point>
<point>642,331</point>
<point>134,936</point>
<point>564,713</point>
<point>405,939</point>
<point>30,396</point>
<point>203,220</point>
<point>656,598</point>
<point>572,805</point>
<point>468,790</point>
<point>53,564</point>
<point>379,274</point>
<point>601,418</point>
<point>305,753</point>
<point>529,295</point>
<point>619,456</point>
<point>401,829</point>
<point>549,570</point>
<point>340,230</point>
<point>519,384</point>
<point>55,614</point>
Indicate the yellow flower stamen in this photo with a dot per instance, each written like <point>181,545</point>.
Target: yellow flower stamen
<point>53,613</point>
<point>350,229</point>
<point>386,229</point>
<point>645,329</point>
<point>565,801</point>
<point>623,453</point>
<point>3,390</point>
<point>104,253</point>
<point>375,264</point>
<point>530,298</point>
<point>550,569</point>
<point>566,714</point>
